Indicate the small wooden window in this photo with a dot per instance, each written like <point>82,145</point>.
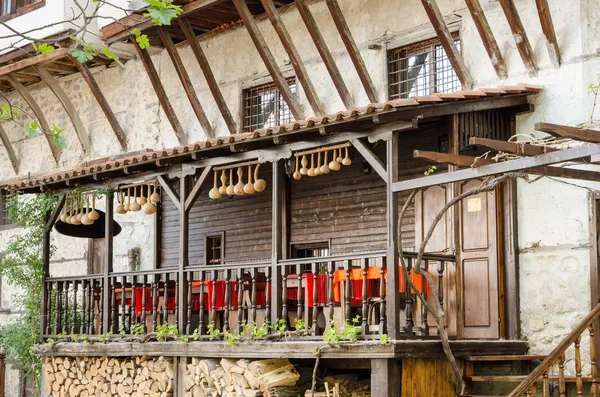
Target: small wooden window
<point>214,249</point>
<point>264,106</point>
<point>4,218</point>
<point>18,7</point>
<point>309,250</point>
<point>421,69</point>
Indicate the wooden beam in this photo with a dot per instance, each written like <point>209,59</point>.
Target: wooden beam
<point>12,156</point>
<point>95,88</point>
<point>55,214</point>
<point>68,106</point>
<point>295,58</point>
<point>454,159</point>
<point>195,192</point>
<point>323,50</point>
<point>487,36</point>
<point>184,228</point>
<point>108,262</point>
<point>572,154</point>
<point>160,92</point>
<point>166,186</point>
<point>549,33</point>
<point>520,36</point>
<point>519,148</point>
<point>34,60</point>
<point>370,157</point>
<point>268,59</point>
<point>563,131</point>
<point>188,87</point>
<point>454,56</point>
<point>568,173</point>
<point>277,213</point>
<point>208,74</point>
<point>391,303</point>
<point>37,111</point>
<point>352,48</point>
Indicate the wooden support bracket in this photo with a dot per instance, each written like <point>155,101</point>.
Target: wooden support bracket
<point>195,192</point>
<point>68,106</point>
<point>12,156</point>
<point>519,148</point>
<point>520,36</point>
<point>56,213</point>
<point>549,33</point>
<point>166,186</point>
<point>371,158</point>
<point>563,131</point>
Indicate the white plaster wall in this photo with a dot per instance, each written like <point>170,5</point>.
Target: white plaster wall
<point>553,217</point>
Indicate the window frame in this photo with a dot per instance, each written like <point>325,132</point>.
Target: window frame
<point>207,237</point>
<point>259,83</point>
<point>5,222</point>
<point>17,12</point>
<point>410,47</point>
<point>25,391</point>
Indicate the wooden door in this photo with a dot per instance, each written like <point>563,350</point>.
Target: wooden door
<point>479,263</point>
<point>96,255</point>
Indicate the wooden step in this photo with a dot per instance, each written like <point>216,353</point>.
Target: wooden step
<point>518,378</point>
<point>515,357</point>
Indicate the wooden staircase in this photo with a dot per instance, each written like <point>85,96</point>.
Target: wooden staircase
<point>539,372</point>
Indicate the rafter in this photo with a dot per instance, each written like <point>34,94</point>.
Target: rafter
<point>454,159</point>
<point>195,192</point>
<point>352,48</point>
<point>68,106</point>
<point>519,148</point>
<point>12,156</point>
<point>160,92</point>
<point>563,131</point>
<point>186,82</point>
<point>268,59</point>
<point>95,88</point>
<point>37,111</point>
<point>520,36</point>
<point>326,56</point>
<point>548,29</point>
<point>298,65</point>
<point>370,157</point>
<point>208,74</point>
<point>454,56</point>
<point>487,36</point>
<point>34,60</point>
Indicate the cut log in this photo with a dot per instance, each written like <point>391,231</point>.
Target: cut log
<point>208,365</point>
<point>284,376</point>
<point>261,367</point>
<point>288,391</point>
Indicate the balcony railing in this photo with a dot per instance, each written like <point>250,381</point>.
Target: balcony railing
<point>316,292</point>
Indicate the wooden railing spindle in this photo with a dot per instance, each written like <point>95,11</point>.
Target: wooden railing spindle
<point>227,300</point>
<point>113,319</point>
<point>213,309</point>
<point>84,309</point>
<point>579,379</point>
<point>165,313</point>
<point>240,302</point>
<point>365,306</point>
<point>253,298</point>
<point>201,303</point>
<point>594,370</point>
<point>315,309</point>
<point>103,291</point>
<point>284,294</point>
<point>409,324</point>
<point>441,269</point>
<point>155,302</point>
<point>424,312</point>
<point>545,385</point>
<point>176,292</point>
<point>382,308</point>
<point>65,317</point>
<point>562,387</point>
<point>330,270</point>
<point>74,311</point>
<point>122,325</point>
<point>349,289</point>
<point>301,300</point>
<point>144,298</point>
<point>188,326</point>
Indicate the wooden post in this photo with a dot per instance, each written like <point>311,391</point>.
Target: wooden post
<point>108,263</point>
<point>386,377</point>
<point>276,234</point>
<point>454,317</point>
<point>183,253</point>
<point>392,257</point>
<point>45,274</point>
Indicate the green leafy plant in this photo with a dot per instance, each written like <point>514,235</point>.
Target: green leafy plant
<point>214,333</point>
<point>84,339</point>
<point>105,338</point>
<point>196,334</point>
<point>232,338</point>
<point>122,331</point>
<point>430,170</point>
<point>302,329</point>
<point>166,330</point>
<point>162,12</point>
<point>42,48</point>
<point>137,329</point>
<point>384,339</point>
<point>280,327</point>
<point>184,338</point>
<point>347,333</point>
<point>9,112</point>
<point>257,332</point>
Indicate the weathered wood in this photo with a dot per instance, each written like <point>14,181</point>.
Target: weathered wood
<point>520,148</point>
<point>160,92</point>
<point>520,36</point>
<point>276,241</point>
<point>110,116</point>
<point>186,82</point>
<point>268,59</point>
<point>68,106</point>
<point>166,186</point>
<point>10,151</point>
<point>34,61</point>
<point>37,111</point>
<point>371,158</point>
<point>184,221</point>
<point>549,33</point>
<point>487,36</point>
<point>56,213</point>
<point>295,58</point>
<point>195,192</point>
<point>511,260</point>
<point>392,255</point>
<point>190,36</point>
<point>325,53</point>
<point>352,48</point>
<point>44,318</point>
<point>108,261</point>
<point>563,131</point>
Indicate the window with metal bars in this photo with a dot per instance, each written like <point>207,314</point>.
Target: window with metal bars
<point>214,249</point>
<point>421,69</point>
<point>264,106</point>
<point>8,7</point>
<point>4,218</point>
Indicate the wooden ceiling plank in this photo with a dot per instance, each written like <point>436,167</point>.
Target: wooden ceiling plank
<point>519,148</point>
<point>487,36</point>
<point>563,131</point>
<point>295,58</point>
<point>160,92</point>
<point>268,59</point>
<point>68,106</point>
<point>35,60</point>
<point>208,75</point>
<point>95,88</point>
<point>12,156</point>
<point>447,41</point>
<point>352,48</point>
<point>520,36</point>
<point>549,33</point>
<point>326,56</point>
<point>37,111</point>
<point>187,83</point>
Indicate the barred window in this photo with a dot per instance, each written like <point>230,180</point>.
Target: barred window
<point>264,106</point>
<point>4,219</point>
<point>421,69</point>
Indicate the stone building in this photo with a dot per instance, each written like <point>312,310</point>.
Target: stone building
<point>540,278</point>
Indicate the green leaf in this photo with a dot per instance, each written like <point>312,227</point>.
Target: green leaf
<point>43,48</point>
<point>143,41</point>
<point>136,32</point>
<point>82,55</point>
<point>8,113</point>
<point>32,129</point>
<point>60,141</point>
<point>111,55</point>
<point>161,17</point>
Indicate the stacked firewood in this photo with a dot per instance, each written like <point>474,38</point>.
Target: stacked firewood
<point>111,377</point>
<point>231,378</point>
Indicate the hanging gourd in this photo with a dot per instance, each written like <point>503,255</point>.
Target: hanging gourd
<point>93,215</point>
<point>214,192</point>
<point>223,188</point>
<point>325,167</point>
<point>121,208</point>
<point>304,170</point>
<point>239,187</point>
<point>86,220</point>
<point>135,206</point>
<point>63,217</point>
<point>149,207</point>
<point>346,160</point>
<point>259,184</point>
<point>126,207</point>
<point>249,187</point>
<point>79,209</point>
<point>155,197</point>
<point>297,174</point>
<point>318,168</point>
<point>142,199</point>
<point>230,188</point>
<point>334,165</point>
<point>76,219</point>
<point>311,170</point>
